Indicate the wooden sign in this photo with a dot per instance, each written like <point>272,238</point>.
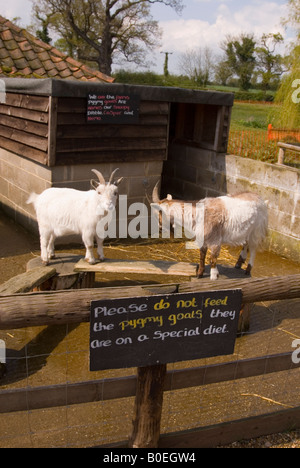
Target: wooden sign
<point>145,331</point>
<point>113,108</point>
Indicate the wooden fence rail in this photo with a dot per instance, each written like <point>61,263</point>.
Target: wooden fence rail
<point>73,306</point>
<point>283,147</point>
<point>32,398</point>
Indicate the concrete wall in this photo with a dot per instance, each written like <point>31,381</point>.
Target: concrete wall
<point>189,173</point>
<point>193,173</point>
<point>19,177</point>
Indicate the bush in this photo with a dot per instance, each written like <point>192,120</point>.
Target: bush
<point>250,96</point>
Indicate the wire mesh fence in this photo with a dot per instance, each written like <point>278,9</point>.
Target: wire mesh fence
<point>40,357</point>
<point>262,145</point>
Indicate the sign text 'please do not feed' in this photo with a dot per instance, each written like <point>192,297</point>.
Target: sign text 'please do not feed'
<point>145,331</point>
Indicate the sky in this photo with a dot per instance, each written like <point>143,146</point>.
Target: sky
<point>202,23</point>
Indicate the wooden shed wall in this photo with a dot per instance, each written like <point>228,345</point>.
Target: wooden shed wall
<point>54,131</point>
<point>24,126</point>
<point>80,142</point>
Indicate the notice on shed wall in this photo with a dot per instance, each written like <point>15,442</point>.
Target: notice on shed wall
<point>145,331</point>
<point>110,108</point>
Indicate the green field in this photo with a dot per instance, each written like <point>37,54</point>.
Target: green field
<point>253,115</point>
<point>248,133</point>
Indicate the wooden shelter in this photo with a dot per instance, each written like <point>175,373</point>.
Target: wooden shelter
<point>53,132</point>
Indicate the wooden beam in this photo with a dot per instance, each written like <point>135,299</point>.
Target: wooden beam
<point>253,289</point>
<point>289,147</point>
<point>225,433</point>
<point>52,131</point>
<point>61,307</point>
<point>22,399</point>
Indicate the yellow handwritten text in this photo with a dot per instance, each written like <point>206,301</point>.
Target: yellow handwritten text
<point>141,322</point>
<point>186,304</point>
<point>174,318</point>
<point>215,302</point>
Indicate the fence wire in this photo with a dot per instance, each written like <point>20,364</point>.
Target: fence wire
<point>59,355</point>
<point>257,144</point>
<point>30,363</point>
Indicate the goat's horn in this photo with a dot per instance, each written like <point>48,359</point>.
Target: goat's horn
<point>112,175</point>
<point>100,176</point>
<point>155,195</point>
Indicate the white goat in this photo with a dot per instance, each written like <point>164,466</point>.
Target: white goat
<point>235,220</point>
<point>63,211</point>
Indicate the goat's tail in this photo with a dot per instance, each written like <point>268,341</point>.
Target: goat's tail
<point>32,198</point>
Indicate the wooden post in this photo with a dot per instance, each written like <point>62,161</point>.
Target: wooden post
<point>281,155</point>
<point>148,406</point>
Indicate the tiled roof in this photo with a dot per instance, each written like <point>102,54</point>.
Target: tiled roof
<point>23,55</point>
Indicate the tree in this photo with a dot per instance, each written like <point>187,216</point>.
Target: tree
<point>288,93</point>
<point>240,57</point>
<point>222,72</point>
<point>293,18</point>
<point>102,31</point>
<point>198,64</point>
<point>269,65</point>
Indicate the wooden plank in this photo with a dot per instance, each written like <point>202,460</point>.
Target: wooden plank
<point>23,150</point>
<point>37,103</point>
<point>28,114</point>
<point>123,387</point>
<point>25,125</point>
<point>106,144</point>
<point>92,157</point>
<point>52,133</point>
<point>80,119</point>
<point>25,282</point>
<point>78,105</point>
<point>151,267</point>
<point>28,139</point>
<point>226,433</point>
<point>111,131</point>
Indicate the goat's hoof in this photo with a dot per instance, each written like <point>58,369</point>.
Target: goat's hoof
<point>45,263</point>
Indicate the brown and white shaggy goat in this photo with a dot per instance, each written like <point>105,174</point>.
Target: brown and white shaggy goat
<point>236,220</point>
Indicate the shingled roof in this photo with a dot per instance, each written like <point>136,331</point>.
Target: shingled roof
<point>23,55</point>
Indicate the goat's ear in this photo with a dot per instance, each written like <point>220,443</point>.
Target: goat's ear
<point>117,182</point>
<point>94,184</point>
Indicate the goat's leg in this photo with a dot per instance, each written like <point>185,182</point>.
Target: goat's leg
<point>100,248</point>
<point>252,251</point>
<point>214,272</point>
<point>44,242</point>
<point>50,248</point>
<point>201,266</point>
<point>88,240</point>
<point>242,257</point>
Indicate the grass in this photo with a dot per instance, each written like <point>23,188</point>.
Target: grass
<point>253,115</point>
<point>248,133</point>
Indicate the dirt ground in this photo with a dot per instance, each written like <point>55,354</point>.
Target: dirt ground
<point>17,247</point>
